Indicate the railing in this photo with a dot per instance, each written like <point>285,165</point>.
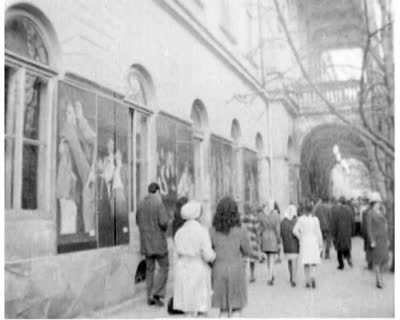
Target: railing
<point>339,93</point>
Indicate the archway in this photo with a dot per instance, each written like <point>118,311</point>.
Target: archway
<point>318,158</point>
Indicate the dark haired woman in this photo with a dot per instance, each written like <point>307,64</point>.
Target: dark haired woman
<point>230,242</point>
<point>308,231</point>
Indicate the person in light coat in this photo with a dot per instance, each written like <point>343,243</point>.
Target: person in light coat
<point>308,231</point>
<point>193,252</point>
<point>378,236</point>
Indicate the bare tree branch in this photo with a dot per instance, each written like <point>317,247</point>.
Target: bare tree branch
<point>384,145</point>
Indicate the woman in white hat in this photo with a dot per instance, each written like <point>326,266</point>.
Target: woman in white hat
<point>192,276</point>
<point>378,236</point>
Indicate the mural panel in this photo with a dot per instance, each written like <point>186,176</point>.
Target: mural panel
<point>75,187</point>
<point>221,170</point>
<point>175,161</point>
<point>250,170</point>
<point>92,188</point>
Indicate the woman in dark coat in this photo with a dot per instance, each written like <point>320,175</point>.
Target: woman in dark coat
<point>378,236</point>
<point>290,242</point>
<point>231,243</point>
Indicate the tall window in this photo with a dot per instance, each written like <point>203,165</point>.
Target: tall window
<point>27,111</point>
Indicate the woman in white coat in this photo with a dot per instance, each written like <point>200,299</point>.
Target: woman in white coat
<point>308,231</point>
<point>193,251</point>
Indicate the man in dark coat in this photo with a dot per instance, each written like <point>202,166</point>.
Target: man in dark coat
<point>342,230</point>
<point>152,220</point>
<point>322,211</point>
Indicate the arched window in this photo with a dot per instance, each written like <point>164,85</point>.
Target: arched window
<point>140,89</point>
<point>28,112</point>
<point>200,121</point>
<point>23,37</point>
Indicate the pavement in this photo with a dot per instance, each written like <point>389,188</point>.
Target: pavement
<point>340,293</point>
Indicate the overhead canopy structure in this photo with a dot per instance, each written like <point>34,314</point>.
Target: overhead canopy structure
<point>332,24</point>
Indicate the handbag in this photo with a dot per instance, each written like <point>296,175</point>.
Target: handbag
<point>170,307</point>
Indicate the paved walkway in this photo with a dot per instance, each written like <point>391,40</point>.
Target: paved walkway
<point>347,293</point>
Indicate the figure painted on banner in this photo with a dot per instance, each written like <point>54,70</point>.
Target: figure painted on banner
<point>109,165</point>
<point>85,168</point>
<point>87,133</point>
<point>120,197</point>
<point>161,173</point>
<point>185,185</point>
<point>66,190</point>
<point>105,218</point>
<point>170,174</point>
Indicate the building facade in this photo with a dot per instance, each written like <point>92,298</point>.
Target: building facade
<point>102,98</point>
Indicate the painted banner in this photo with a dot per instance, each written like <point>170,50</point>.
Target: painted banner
<point>221,170</point>
<point>250,171</point>
<point>92,175</point>
<point>175,167</point>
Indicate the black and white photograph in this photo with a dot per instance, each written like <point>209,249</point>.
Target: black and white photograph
<point>199,159</point>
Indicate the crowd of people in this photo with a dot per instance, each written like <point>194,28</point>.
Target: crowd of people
<point>209,269</point>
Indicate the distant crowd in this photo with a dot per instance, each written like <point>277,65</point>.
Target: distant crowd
<point>209,269</point>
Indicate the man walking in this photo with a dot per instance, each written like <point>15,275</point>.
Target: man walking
<point>152,220</point>
<point>342,230</point>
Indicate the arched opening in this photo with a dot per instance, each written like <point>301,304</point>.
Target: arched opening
<point>200,123</point>
<point>320,163</point>
<point>139,86</point>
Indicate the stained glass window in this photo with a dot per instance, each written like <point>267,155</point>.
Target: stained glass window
<point>135,87</point>
<point>22,37</point>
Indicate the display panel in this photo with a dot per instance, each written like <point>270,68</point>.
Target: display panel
<point>221,170</point>
<point>250,170</point>
<point>175,161</point>
<point>92,170</point>
<point>75,184</point>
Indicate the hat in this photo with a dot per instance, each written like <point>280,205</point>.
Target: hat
<point>374,197</point>
<point>290,212</point>
<point>191,210</point>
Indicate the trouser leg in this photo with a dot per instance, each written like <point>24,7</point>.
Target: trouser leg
<point>162,276</point>
<point>290,265</point>
<point>340,258</point>
<point>150,267</point>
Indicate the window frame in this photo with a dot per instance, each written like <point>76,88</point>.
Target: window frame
<point>21,66</point>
